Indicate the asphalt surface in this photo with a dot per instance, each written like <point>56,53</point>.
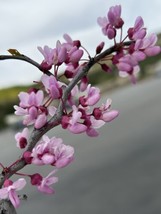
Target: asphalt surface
<point>118,172</point>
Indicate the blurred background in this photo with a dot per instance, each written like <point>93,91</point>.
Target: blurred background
<point>119,171</point>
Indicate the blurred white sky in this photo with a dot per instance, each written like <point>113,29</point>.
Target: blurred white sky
<point>24,25</point>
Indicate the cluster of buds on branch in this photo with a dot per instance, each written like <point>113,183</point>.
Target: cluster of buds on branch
<point>76,108</point>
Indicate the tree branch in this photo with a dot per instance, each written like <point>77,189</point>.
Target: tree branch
<point>26,59</point>
<point>56,119</point>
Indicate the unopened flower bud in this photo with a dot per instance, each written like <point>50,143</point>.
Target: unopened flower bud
<point>22,142</point>
<point>97,113</point>
<point>27,157</point>
<point>100,47</point>
<point>36,179</point>
<point>8,183</point>
<point>76,43</point>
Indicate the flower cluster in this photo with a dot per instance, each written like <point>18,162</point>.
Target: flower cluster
<point>9,190</point>
<point>53,152</point>
<point>68,52</point>
<point>84,119</point>
<point>127,58</point>
<point>72,101</point>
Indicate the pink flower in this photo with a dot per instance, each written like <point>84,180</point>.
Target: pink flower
<point>103,22</point>
<point>104,113</point>
<point>52,86</point>
<point>52,151</point>
<point>9,191</point>
<point>60,54</point>
<point>93,96</point>
<point>70,43</point>
<point>112,22</point>
<point>31,99</point>
<point>114,16</point>
<point>40,121</point>
<point>107,29</point>
<point>31,107</point>
<point>128,66</point>
<point>55,56</point>
<point>22,138</point>
<point>137,32</point>
<point>148,45</point>
<point>73,123</point>
<point>74,55</point>
<point>44,185</point>
<point>48,54</point>
<point>72,69</point>
<point>93,124</point>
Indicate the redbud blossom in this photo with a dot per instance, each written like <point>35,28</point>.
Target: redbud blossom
<point>46,182</point>
<point>70,43</point>
<point>30,107</point>
<point>52,86</point>
<point>75,55</point>
<point>27,157</point>
<point>31,99</point>
<point>48,54</point>
<point>100,47</point>
<point>104,113</point>
<point>76,99</point>
<point>93,124</point>
<point>53,152</point>
<point>137,32</point>
<point>9,191</point>
<point>36,179</point>
<point>148,45</point>
<point>114,16</point>
<point>22,138</point>
<point>73,123</point>
<point>112,22</point>
<point>93,96</point>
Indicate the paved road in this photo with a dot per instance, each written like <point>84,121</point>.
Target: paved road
<point>116,173</point>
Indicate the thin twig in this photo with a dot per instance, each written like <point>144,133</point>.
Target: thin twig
<point>26,59</point>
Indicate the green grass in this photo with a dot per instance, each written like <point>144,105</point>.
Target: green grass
<point>8,94</point>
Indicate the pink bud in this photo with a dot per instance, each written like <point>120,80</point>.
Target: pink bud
<point>97,113</point>
<point>76,43</point>
<point>65,122</point>
<point>45,66</point>
<point>8,183</point>
<point>27,157</point>
<point>69,74</point>
<point>22,142</point>
<point>36,179</point>
<point>105,67</point>
<point>100,47</point>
